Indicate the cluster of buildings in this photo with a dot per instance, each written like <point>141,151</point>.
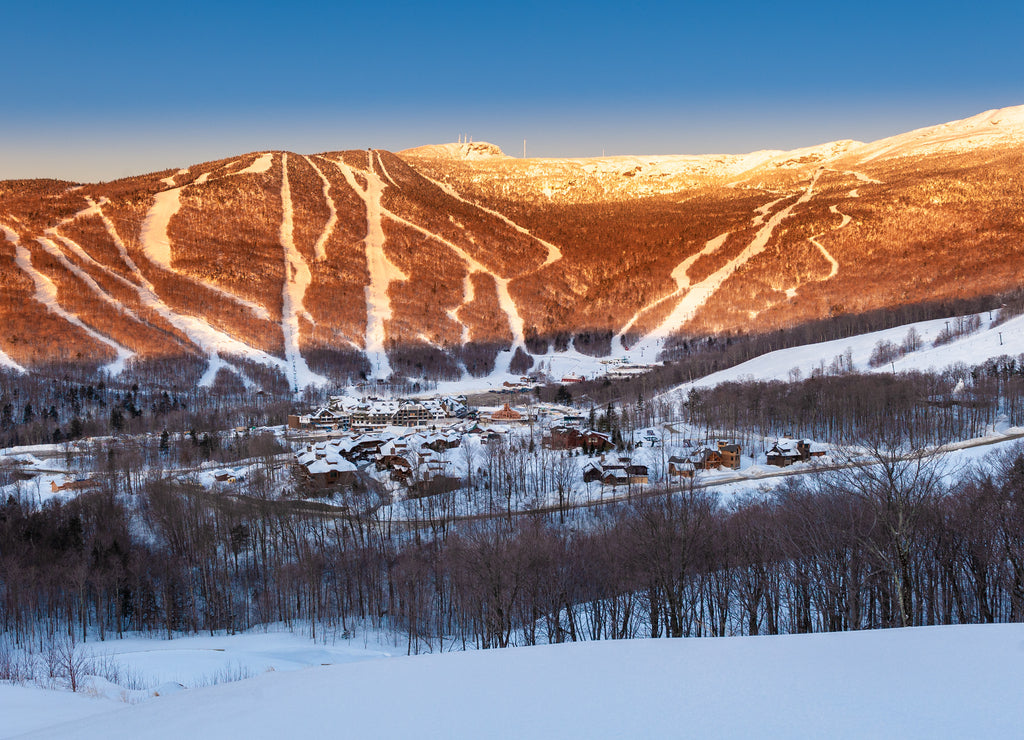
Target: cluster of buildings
<point>615,470</point>
<point>725,454</point>
<point>413,457</point>
<point>345,413</point>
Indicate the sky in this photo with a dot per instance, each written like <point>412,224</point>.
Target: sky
<point>94,92</point>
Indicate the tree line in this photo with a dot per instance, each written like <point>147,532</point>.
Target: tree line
<point>898,539</point>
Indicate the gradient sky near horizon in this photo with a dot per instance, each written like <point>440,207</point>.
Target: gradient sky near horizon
<point>94,92</point>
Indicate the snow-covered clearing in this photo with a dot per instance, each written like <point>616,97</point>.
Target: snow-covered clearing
<point>7,362</point>
<point>382,270</point>
<point>505,301</point>
<point>926,682</point>
<point>259,165</point>
<point>297,278</point>
<point>832,261</point>
<point>783,364</point>
<point>46,294</point>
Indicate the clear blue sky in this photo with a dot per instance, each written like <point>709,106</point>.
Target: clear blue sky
<point>97,91</point>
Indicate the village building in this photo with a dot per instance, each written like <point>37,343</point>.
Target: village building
<point>508,414</point>
<point>785,451</point>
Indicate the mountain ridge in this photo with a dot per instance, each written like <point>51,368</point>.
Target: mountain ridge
<point>457,259</point>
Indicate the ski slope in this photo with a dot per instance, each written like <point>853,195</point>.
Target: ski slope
<point>784,364</point>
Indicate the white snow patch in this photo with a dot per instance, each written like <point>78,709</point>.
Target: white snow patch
<point>260,165</point>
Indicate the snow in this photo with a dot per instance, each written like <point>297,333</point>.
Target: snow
<point>698,294</point>
<point>993,127</point>
<point>320,249</point>
<point>959,681</point>
<point>259,165</point>
<point>554,253</point>
<point>46,294</point>
<point>382,270</point>
<point>156,243</point>
<point>974,348</point>
<point>210,340</point>
<point>297,278</point>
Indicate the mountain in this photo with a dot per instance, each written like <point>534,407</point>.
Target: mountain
<point>456,258</point>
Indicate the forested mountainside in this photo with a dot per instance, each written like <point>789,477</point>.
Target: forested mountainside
<point>456,259</point>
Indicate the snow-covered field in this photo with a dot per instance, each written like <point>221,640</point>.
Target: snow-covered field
<point>961,681</point>
<point>784,364</point>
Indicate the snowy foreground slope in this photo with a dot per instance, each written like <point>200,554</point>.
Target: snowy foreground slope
<point>960,681</point>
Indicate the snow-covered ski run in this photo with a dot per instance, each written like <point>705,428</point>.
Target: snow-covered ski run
<point>381,269</point>
<point>46,294</point>
<point>297,278</point>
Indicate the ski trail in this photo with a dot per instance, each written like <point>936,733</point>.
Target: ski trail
<point>863,178</point>
<point>382,270</point>
<point>554,253</point>
<point>297,278</point>
<point>156,243</point>
<point>762,211</point>
<point>504,297</point>
<point>833,262</point>
<point>320,250</point>
<point>383,169</point>
<point>468,293</point>
<point>699,294</point>
<point>682,283</point>
<point>202,334</point>
<point>46,294</point>
<point>846,219</point>
<point>53,250</point>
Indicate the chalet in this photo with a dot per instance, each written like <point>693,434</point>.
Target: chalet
<point>783,453</point>
<point>617,471</point>
<point>331,471</point>
<point>592,472</point>
<point>681,467</point>
<point>706,458</point>
<point>730,453</point>
<point>568,438</point>
<point>637,474</point>
<point>788,451</point>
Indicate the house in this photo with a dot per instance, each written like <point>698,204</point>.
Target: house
<point>730,453</point>
<point>783,453</point>
<point>788,451</point>
<point>331,471</point>
<point>680,467</point>
<point>617,471</point>
<point>706,458</point>
<point>592,472</point>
